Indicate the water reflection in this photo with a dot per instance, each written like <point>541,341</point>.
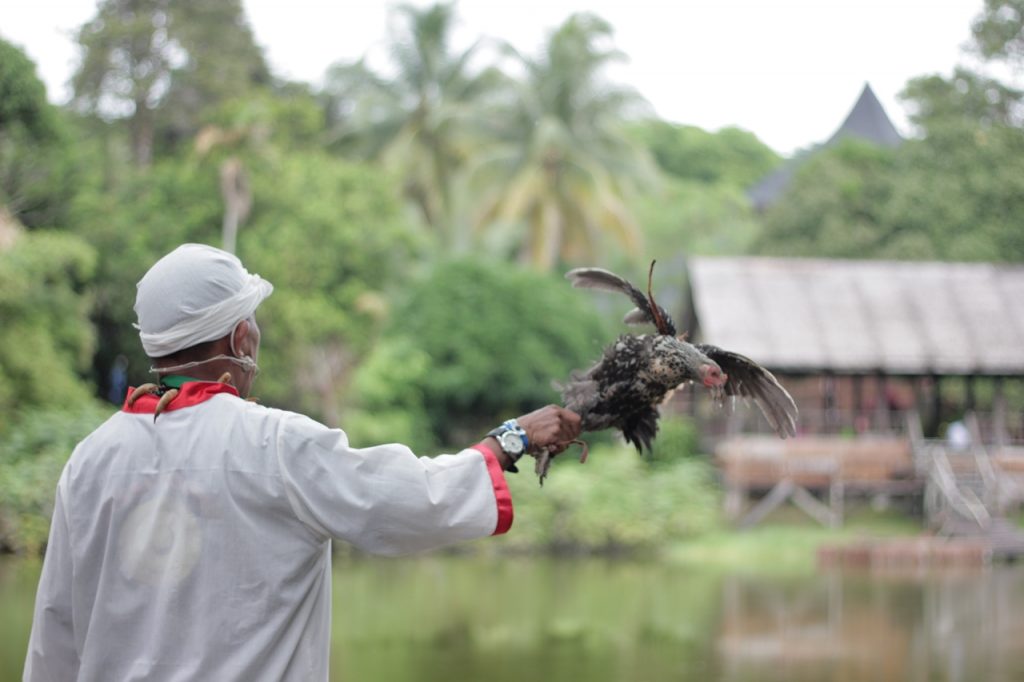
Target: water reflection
<point>862,627</point>
<point>467,619</point>
<point>462,618</point>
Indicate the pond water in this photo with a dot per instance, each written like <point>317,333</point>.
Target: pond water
<point>462,618</point>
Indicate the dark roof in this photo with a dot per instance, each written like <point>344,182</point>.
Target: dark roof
<point>844,316</point>
<point>866,121</point>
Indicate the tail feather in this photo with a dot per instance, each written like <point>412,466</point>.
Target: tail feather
<point>641,428</point>
<point>603,280</point>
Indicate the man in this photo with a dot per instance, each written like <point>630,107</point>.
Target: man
<point>191,532</point>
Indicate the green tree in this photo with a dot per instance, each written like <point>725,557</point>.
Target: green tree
<point>559,166</point>
<point>701,207</point>
<point>960,189</point>
<point>223,63</point>
<point>131,224</point>
<point>46,340</point>
<point>696,218</point>
<point>835,207</point>
<point>331,236</point>
<point>471,343</point>
<point>954,194</point>
<point>967,99</point>
<point>140,56</point>
<point>36,152</point>
<point>416,121</point>
<point>999,31</point>
<point>730,155</point>
<point>23,97</point>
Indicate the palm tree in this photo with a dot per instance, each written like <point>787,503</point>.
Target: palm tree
<point>562,166</point>
<point>415,122</point>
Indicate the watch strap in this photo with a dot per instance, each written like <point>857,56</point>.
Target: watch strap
<point>506,426</point>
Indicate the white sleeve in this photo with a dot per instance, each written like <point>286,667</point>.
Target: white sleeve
<point>385,499</point>
<point>51,649</point>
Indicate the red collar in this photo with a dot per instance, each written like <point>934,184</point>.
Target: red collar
<point>191,393</point>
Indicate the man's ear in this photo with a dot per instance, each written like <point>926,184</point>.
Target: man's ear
<point>239,335</point>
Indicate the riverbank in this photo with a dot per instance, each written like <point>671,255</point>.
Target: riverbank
<point>786,547</point>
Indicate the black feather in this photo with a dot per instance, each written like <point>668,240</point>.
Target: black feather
<point>747,379</point>
<point>598,278</point>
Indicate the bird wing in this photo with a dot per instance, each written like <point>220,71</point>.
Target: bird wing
<point>748,379</point>
<point>603,280</point>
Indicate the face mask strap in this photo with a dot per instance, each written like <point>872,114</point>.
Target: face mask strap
<point>244,361</point>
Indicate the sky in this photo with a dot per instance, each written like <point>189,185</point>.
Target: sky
<point>787,70</point>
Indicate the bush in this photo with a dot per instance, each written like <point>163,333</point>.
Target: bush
<point>33,453</point>
<point>46,340</point>
<point>475,343</point>
<point>677,439</point>
<point>615,503</point>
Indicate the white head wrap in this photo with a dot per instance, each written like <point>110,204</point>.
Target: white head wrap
<point>195,293</point>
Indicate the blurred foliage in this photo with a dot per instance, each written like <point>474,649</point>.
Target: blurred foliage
<point>32,455</point>
<point>678,438</point>
<point>955,194</point>
<point>46,341</point>
<point>614,503</point>
<point>729,156</point>
<point>131,225</point>
<point>158,64</point>
<point>999,31</point>
<point>687,218</point>
<point>23,97</point>
<point>418,121</point>
<point>36,155</point>
<point>476,342</point>
<point>558,168</point>
<point>834,206</point>
<point>330,236</point>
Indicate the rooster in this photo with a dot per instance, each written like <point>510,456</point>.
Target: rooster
<point>637,372</point>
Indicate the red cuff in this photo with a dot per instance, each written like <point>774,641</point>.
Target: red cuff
<point>502,496</point>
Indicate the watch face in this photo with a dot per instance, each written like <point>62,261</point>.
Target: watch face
<point>511,443</point>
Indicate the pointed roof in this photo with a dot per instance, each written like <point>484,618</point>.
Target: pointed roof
<point>866,121</point>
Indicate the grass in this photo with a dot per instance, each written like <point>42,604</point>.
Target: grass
<point>784,545</point>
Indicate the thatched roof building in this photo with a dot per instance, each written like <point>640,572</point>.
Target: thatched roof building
<point>856,340</point>
<point>863,317</point>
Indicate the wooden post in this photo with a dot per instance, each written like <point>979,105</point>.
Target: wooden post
<point>935,418</point>
<point>828,401</point>
<point>858,401</point>
<point>836,497</point>
<point>734,501</point>
<point>881,404</point>
<point>999,434</point>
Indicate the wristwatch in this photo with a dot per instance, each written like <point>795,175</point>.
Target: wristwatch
<point>513,441</point>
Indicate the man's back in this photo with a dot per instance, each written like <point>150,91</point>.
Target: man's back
<point>198,544</point>
<point>188,560</point>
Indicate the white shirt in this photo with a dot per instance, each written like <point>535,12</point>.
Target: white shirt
<point>197,546</point>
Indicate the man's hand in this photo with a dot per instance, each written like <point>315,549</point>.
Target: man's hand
<point>551,427</point>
